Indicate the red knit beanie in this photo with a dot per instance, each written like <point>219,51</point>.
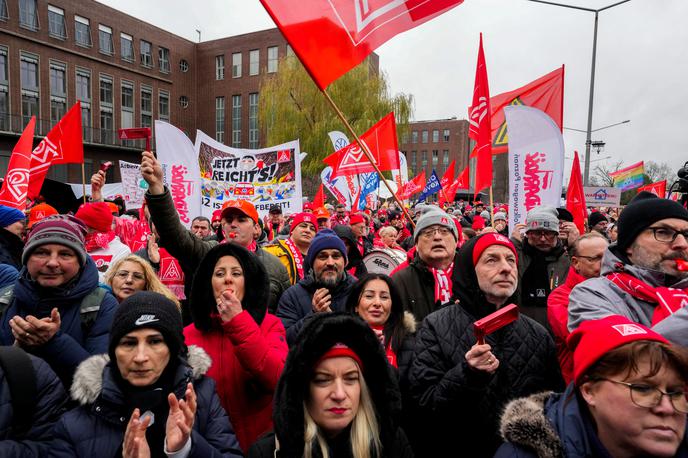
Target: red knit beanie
<point>594,338</point>
<point>303,218</point>
<point>96,215</point>
<point>486,240</point>
<point>356,218</point>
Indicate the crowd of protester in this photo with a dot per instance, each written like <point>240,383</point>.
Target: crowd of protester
<point>125,333</point>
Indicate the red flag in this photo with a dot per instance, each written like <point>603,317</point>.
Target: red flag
<point>63,145</point>
<point>462,180</point>
<point>16,184</point>
<point>449,193</point>
<point>333,36</point>
<point>319,199</point>
<point>479,119</point>
<point>658,188</point>
<point>545,93</point>
<point>415,185</point>
<point>575,196</point>
<point>382,143</point>
<point>448,176</point>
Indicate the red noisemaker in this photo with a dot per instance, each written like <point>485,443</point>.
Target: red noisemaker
<point>682,265</point>
<point>494,321</point>
<point>232,235</point>
<point>135,133</point>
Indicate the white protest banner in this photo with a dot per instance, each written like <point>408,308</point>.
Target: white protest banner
<point>347,186</point>
<point>177,155</point>
<point>602,196</point>
<point>337,187</point>
<point>265,176</point>
<point>536,161</point>
<point>134,187</point>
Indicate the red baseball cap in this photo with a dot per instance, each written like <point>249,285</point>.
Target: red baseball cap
<point>39,212</point>
<point>321,213</point>
<point>242,206</point>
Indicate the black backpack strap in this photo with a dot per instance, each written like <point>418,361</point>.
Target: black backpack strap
<point>21,379</point>
<point>89,308</point>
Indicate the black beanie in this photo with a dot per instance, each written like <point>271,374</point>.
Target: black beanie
<point>595,218</point>
<point>644,210</point>
<point>147,309</point>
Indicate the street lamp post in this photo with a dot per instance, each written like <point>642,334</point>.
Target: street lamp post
<point>588,141</point>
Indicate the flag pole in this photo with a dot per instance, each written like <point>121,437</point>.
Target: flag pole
<point>364,147</point>
<point>83,180</point>
<point>491,208</point>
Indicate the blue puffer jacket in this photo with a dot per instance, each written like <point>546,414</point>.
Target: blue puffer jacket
<point>295,305</point>
<point>69,347</point>
<point>50,405</point>
<point>97,426</point>
<point>549,425</point>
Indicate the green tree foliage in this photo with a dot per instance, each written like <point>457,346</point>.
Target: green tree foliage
<point>291,106</point>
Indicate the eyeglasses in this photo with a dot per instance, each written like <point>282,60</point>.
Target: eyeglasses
<point>539,233</point>
<point>649,396</point>
<point>430,232</point>
<point>124,274</point>
<point>666,234</point>
<point>597,258</point>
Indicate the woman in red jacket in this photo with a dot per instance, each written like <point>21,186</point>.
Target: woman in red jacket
<point>247,345</point>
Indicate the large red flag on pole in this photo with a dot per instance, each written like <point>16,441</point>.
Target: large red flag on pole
<point>63,145</point>
<point>16,184</point>
<point>479,119</point>
<point>413,186</point>
<point>382,143</point>
<point>575,196</point>
<point>449,193</point>
<point>319,199</point>
<point>463,179</point>
<point>658,188</point>
<point>448,176</point>
<point>330,37</point>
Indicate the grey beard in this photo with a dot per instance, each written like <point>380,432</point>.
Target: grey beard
<point>328,282</point>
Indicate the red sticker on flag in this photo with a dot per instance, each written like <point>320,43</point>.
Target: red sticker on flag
<point>284,155</point>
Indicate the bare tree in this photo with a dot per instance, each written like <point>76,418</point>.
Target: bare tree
<point>601,173</point>
<point>658,171</point>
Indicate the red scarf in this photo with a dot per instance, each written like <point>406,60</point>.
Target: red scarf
<point>668,300</point>
<point>97,240</point>
<point>296,255</point>
<point>391,356</point>
<point>443,283</point>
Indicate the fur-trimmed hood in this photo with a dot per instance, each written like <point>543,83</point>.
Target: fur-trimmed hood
<point>89,375</point>
<point>524,423</point>
<point>410,323</point>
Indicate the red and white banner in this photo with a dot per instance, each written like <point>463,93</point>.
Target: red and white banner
<point>575,196</point>
<point>333,36</point>
<point>658,188</point>
<point>381,140</point>
<point>182,173</point>
<point>536,161</point>
<point>479,119</point>
<point>16,183</point>
<point>415,185</point>
<point>463,179</point>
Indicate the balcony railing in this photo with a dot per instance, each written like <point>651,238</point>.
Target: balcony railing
<point>13,123</point>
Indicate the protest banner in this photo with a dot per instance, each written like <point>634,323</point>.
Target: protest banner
<point>265,177</point>
<point>337,186</point>
<point>602,196</point>
<point>134,187</point>
<point>536,161</point>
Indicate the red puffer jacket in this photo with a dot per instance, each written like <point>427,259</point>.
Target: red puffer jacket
<point>247,363</point>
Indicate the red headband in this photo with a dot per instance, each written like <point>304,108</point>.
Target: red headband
<point>489,239</point>
<point>340,349</point>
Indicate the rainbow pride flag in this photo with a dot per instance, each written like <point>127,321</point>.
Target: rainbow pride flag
<point>629,177</point>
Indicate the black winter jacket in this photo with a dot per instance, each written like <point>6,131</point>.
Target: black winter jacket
<point>11,248</point>
<point>97,426</point>
<point>460,405</point>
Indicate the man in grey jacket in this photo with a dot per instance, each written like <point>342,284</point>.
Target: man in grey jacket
<point>640,277</point>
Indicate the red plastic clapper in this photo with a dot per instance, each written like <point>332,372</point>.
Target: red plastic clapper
<point>494,321</point>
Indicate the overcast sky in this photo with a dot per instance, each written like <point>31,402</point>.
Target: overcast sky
<point>642,61</point>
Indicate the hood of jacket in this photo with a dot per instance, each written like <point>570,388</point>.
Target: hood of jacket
<point>524,423</point>
<point>320,333</point>
<point>32,296</point>
<point>256,286</point>
<point>615,261</point>
<point>90,375</point>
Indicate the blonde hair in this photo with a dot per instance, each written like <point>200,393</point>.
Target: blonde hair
<point>364,435</point>
<point>153,283</point>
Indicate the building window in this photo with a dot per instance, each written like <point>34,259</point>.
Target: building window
<point>146,54</point>
<point>164,59</point>
<point>56,22</point>
<point>236,65</point>
<point>253,140</point>
<point>126,43</point>
<point>220,119</point>
<point>28,16</point>
<point>3,10</point>
<point>28,69</point>
<point>164,105</point>
<point>253,62</point>
<point>424,159</point>
<point>435,135</point>
<point>424,136</point>
<point>435,158</point>
<point>272,59</point>
<point>58,92</point>
<point>4,91</point>
<point>83,93</point>
<point>414,136</point>
<point>184,102</point>
<point>404,138</point>
<point>82,31</point>
<point>220,67</point>
<point>105,40</point>
<point>183,65</point>
<point>236,121</point>
<point>146,107</point>
<point>414,161</point>
<point>127,105</point>
<point>445,158</point>
<point>107,125</point>
<point>446,135</point>
<point>290,51</point>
